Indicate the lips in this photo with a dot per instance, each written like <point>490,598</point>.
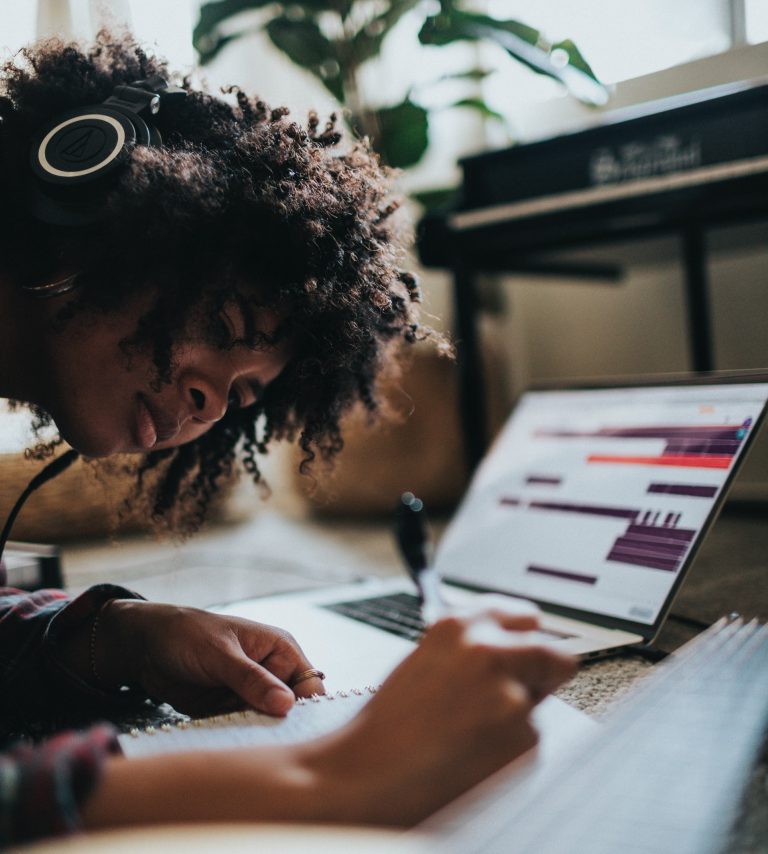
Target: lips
<point>146,432</point>
<point>153,425</point>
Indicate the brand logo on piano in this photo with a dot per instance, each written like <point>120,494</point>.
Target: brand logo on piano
<point>636,160</point>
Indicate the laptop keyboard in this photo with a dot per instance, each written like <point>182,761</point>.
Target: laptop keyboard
<point>399,614</point>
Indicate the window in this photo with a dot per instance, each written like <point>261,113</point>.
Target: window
<point>756,20</point>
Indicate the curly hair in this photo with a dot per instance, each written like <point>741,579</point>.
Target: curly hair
<point>239,203</point>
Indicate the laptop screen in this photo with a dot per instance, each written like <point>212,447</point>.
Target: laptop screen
<point>595,499</point>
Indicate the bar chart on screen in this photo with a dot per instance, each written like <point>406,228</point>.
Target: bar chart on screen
<point>594,499</point>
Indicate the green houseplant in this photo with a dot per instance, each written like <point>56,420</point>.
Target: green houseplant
<point>334,39</point>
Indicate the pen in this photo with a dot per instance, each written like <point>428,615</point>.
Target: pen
<point>412,537</point>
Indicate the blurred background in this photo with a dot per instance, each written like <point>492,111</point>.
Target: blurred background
<point>432,82</point>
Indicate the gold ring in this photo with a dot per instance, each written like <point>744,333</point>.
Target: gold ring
<point>306,674</point>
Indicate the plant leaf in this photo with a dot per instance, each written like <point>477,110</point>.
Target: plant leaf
<point>301,40</point>
<point>470,74</point>
<point>403,134</point>
<point>316,6</point>
<point>523,43</point>
<point>335,85</point>
<point>575,57</point>
<point>206,37</point>
<point>366,43</point>
<point>304,44</point>
<point>443,198</point>
<point>457,25</point>
<point>481,107</point>
<point>216,46</point>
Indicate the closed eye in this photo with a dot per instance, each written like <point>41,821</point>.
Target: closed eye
<point>229,333</point>
<point>238,322</point>
<point>235,400</point>
<point>239,400</point>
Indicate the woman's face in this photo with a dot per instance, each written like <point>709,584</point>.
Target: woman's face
<point>103,402</point>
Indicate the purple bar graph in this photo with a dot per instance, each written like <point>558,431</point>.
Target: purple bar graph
<point>590,509</point>
<point>566,574</point>
<point>708,441</point>
<point>694,490</point>
<point>648,541</point>
<point>653,546</point>
<point>548,480</point>
<point>684,535</point>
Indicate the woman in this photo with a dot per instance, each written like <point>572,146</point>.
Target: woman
<point>212,278</point>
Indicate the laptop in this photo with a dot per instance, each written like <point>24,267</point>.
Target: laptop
<point>592,503</point>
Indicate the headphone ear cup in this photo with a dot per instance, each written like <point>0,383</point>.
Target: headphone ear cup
<point>85,145</point>
<point>155,138</point>
<point>146,134</point>
<point>76,156</point>
<point>141,129</point>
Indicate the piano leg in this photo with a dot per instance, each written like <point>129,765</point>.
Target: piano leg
<point>472,398</point>
<point>697,297</point>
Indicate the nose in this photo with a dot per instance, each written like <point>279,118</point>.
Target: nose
<point>208,404</point>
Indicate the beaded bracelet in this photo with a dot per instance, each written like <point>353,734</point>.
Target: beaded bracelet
<point>92,646</point>
<point>92,650</point>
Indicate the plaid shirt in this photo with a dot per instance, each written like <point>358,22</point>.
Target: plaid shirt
<point>42,785</point>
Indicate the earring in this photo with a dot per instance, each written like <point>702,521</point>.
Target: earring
<point>52,289</point>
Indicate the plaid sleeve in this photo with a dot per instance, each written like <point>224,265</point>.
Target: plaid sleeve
<point>34,683</point>
<point>42,787</point>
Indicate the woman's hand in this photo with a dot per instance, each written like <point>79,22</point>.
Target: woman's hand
<point>199,662</point>
<point>456,710</point>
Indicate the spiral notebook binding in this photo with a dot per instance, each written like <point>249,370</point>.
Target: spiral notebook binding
<point>242,716</point>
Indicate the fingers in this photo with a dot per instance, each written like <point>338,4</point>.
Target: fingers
<point>494,642</point>
<point>284,658</point>
<point>496,627</point>
<point>307,686</point>
<point>510,612</point>
<point>259,688</point>
<point>539,668</point>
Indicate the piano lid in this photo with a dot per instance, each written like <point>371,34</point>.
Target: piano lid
<point>699,159</point>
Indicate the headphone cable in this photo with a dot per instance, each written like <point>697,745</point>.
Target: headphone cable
<point>55,467</point>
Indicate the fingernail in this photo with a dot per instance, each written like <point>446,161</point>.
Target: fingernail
<point>278,700</point>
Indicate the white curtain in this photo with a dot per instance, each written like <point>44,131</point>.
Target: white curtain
<point>167,25</point>
<point>80,18</point>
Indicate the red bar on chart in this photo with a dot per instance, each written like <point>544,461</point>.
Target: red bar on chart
<point>684,460</point>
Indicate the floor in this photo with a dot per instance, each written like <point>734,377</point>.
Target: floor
<point>274,552</point>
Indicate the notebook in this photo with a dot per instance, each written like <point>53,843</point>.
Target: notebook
<point>665,772</point>
<point>593,502</point>
<point>558,723</point>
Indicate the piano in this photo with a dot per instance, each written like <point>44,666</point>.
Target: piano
<point>677,166</point>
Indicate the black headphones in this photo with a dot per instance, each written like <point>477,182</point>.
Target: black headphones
<point>75,158</point>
